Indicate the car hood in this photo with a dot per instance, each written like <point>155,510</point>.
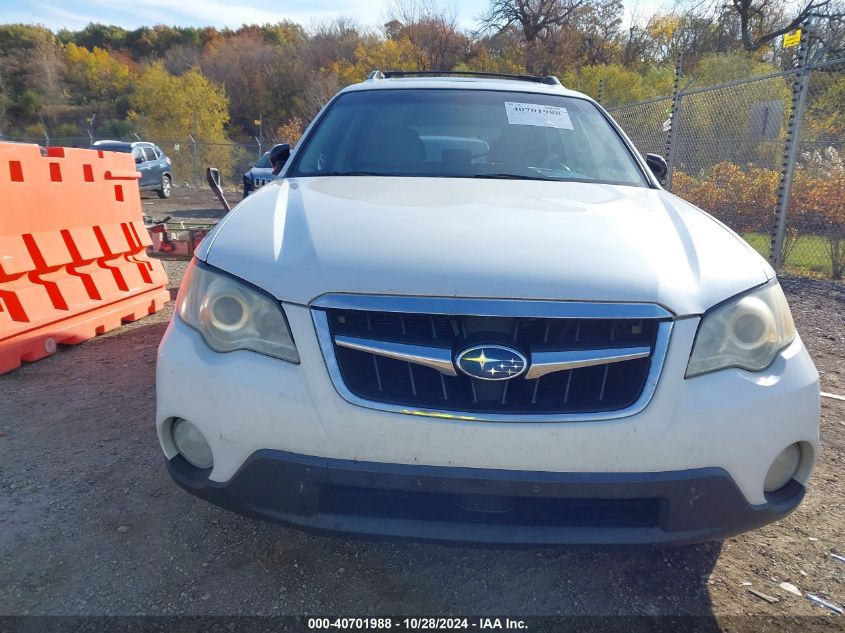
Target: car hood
<point>300,238</point>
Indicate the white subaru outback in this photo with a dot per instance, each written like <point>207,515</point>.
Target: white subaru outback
<point>468,311</point>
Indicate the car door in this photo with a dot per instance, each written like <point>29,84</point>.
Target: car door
<point>153,169</point>
<point>142,165</point>
<point>157,165</point>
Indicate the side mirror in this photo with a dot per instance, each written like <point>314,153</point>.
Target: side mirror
<point>657,164</point>
<point>212,175</point>
<point>139,160</point>
<point>279,156</point>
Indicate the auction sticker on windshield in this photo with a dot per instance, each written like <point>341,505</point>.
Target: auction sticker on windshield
<point>538,115</point>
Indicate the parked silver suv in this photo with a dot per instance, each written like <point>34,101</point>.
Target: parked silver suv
<point>154,166</point>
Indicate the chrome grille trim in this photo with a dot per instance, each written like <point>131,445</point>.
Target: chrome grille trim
<point>434,357</point>
<point>543,363</point>
<point>492,307</point>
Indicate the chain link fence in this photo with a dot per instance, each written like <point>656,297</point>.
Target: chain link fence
<point>646,123</point>
<point>765,155</point>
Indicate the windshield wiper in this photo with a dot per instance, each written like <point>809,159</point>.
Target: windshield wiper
<point>512,177</point>
<point>358,173</point>
<point>389,174</point>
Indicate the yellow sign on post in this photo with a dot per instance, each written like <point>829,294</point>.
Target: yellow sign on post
<point>792,39</point>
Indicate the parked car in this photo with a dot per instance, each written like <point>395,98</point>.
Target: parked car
<point>154,166</point>
<point>468,311</point>
<point>260,173</point>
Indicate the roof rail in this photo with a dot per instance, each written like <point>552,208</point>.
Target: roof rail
<point>549,80</point>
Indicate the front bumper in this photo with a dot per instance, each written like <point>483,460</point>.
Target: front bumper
<point>730,425</point>
<point>487,506</point>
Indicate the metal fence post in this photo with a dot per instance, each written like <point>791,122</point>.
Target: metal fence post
<point>195,170</point>
<point>601,91</point>
<point>793,143</point>
<point>674,124</point>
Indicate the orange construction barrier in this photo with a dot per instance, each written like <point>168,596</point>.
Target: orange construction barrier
<point>72,240</point>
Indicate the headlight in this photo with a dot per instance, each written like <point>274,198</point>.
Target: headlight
<point>231,315</point>
<point>746,332</point>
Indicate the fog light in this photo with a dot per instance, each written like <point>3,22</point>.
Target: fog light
<point>191,444</point>
<point>783,469</point>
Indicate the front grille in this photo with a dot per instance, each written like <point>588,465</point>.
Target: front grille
<point>602,388</point>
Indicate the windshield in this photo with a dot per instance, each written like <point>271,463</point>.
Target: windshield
<point>264,161</point>
<point>466,134</point>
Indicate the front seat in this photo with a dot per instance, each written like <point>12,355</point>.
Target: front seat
<point>393,148</point>
<point>520,145</point>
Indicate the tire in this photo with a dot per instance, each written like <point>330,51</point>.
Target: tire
<point>164,190</point>
<point>247,191</point>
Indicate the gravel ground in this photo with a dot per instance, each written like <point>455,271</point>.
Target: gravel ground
<point>193,205</point>
<point>91,524</point>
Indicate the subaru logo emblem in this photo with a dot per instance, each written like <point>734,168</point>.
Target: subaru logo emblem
<point>491,362</point>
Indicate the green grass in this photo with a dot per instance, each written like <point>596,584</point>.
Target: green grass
<point>810,256</point>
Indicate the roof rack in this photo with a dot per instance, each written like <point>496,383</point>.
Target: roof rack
<point>549,80</point>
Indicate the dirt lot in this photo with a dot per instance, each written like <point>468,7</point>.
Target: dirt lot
<point>90,522</point>
<point>192,205</point>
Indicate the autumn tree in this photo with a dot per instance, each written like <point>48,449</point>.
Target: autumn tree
<point>241,65</point>
<point>825,118</point>
<point>284,33</point>
<point>95,74</point>
<point>106,36</point>
<point>597,29</point>
<point>334,42</point>
<point>536,19</point>
<point>179,59</point>
<point>31,70</point>
<point>498,52</point>
<point>167,109</point>
<point>376,53</point>
<point>763,21</point>
<point>433,33</point>
<point>618,85</point>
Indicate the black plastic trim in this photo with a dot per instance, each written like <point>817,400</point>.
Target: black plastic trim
<point>695,505</point>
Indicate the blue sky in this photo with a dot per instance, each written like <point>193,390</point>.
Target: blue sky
<point>75,14</point>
